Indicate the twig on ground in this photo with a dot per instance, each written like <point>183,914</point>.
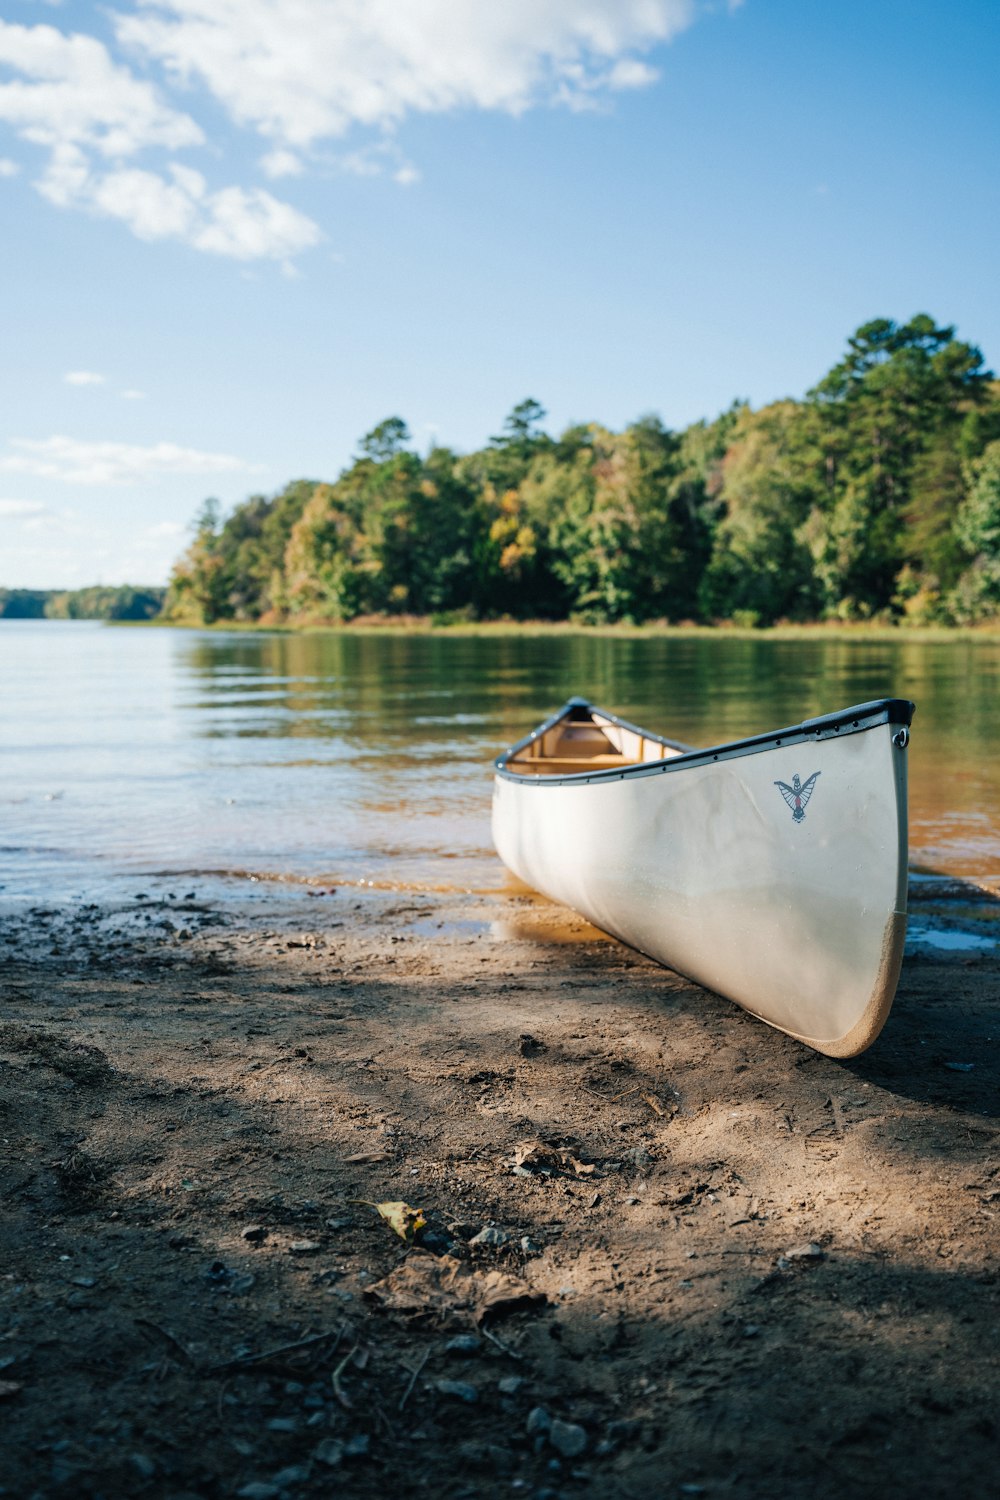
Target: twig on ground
<point>610,1098</point>
<point>245,1360</point>
<point>504,1348</point>
<point>414,1375</point>
<point>338,1389</point>
<point>390,1432</point>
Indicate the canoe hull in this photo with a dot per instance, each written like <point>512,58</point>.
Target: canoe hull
<point>799,919</point>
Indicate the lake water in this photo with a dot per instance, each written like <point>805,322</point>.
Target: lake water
<point>335,758</point>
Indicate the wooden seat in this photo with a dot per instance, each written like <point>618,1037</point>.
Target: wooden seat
<point>561,764</point>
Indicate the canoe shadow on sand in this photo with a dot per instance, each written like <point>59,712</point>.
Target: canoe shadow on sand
<point>939,1043</point>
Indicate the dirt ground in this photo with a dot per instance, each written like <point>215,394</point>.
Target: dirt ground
<point>666,1251</point>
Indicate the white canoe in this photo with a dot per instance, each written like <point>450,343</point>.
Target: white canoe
<point>771,870</point>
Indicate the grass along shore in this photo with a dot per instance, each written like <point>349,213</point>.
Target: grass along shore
<point>430,625</point>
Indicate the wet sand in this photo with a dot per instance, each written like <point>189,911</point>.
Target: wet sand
<point>719,1264</point>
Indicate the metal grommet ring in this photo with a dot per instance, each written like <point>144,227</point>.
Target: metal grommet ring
<point>901,738</point>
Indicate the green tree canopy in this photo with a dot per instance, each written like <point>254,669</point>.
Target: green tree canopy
<point>876,495</point>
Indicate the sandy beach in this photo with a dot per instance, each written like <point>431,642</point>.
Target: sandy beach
<point>665,1250</point>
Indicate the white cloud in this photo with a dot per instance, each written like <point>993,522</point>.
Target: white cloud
<point>299,71</point>
<point>251,225</point>
<point>73,98</point>
<point>281,163</point>
<point>84,377</point>
<point>8,168</point>
<point>76,462</point>
<point>630,73</point>
<point>367,161</point>
<point>21,508</point>
<point>133,395</point>
<point>374,158</point>
<point>72,92</point>
<point>236,222</point>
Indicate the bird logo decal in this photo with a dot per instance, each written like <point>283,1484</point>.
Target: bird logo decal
<point>798,794</point>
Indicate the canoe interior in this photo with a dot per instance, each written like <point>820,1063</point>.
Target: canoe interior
<point>583,739</point>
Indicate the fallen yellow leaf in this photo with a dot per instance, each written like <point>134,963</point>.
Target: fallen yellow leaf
<point>406,1221</point>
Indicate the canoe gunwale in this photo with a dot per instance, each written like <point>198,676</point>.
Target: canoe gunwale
<point>837,725</point>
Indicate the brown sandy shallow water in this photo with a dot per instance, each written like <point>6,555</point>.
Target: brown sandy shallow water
<point>726,1266</point>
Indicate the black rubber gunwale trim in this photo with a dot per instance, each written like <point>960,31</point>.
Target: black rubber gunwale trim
<point>827,727</point>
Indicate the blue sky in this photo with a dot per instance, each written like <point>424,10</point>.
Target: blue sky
<point>238,233</point>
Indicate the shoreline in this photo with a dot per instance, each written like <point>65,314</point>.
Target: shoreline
<point>424,626</point>
<point>720,1263</point>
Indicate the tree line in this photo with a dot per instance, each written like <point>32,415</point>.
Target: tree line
<point>99,602</point>
<point>876,497</point>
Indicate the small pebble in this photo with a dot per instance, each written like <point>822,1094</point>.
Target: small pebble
<point>623,1430</point>
<point>282,1424</point>
<point>811,1251</point>
<point>567,1438</point>
<point>329,1452</point>
<point>463,1343</point>
<point>254,1234</point>
<point>257,1490</point>
<point>538,1421</point>
<point>509,1385</point>
<point>460,1389</point>
<point>304,1247</point>
<point>529,1246</point>
<point>294,1474</point>
<point>357,1446</point>
<point>143,1466</point>
<point>235,1282</point>
<point>491,1235</point>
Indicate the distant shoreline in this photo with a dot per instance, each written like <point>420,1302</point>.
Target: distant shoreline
<point>425,626</point>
